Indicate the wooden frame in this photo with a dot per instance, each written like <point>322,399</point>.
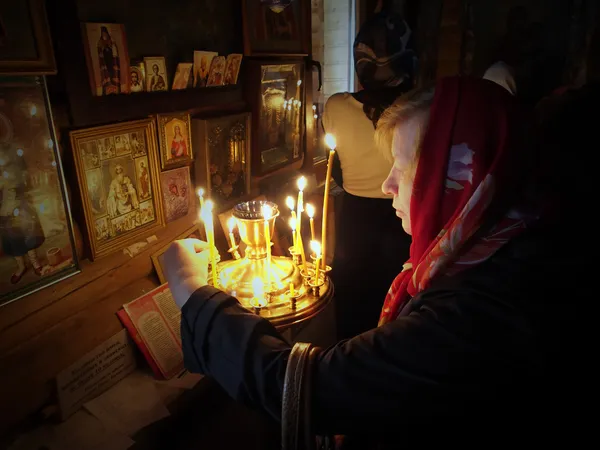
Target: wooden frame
<point>287,135</point>
<point>107,213</point>
<point>44,63</point>
<point>224,156</point>
<point>37,231</point>
<point>196,231</point>
<point>269,45</point>
<point>184,145</point>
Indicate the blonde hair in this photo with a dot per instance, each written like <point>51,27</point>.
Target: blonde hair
<point>404,108</point>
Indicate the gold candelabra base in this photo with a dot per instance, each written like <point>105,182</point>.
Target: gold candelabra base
<point>287,295</point>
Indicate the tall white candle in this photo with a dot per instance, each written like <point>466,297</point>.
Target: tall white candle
<point>267,212</point>
<point>207,218</point>
<point>330,141</point>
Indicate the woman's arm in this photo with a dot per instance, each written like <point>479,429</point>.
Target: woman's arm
<point>431,363</point>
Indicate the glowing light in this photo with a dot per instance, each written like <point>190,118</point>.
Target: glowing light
<point>20,152</point>
<point>50,143</point>
<point>292,224</point>
<point>314,107</point>
<point>231,224</point>
<point>330,141</point>
<point>16,212</point>
<point>200,192</point>
<point>289,201</point>
<point>206,212</point>
<point>53,163</point>
<point>301,183</point>
<point>315,116</point>
<point>267,211</point>
<point>258,289</point>
<point>316,248</point>
<point>299,83</point>
<point>310,210</point>
<point>33,110</point>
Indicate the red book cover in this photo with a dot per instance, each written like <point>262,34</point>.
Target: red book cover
<point>156,321</point>
<point>128,324</point>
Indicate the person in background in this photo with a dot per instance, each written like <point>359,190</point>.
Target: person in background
<point>475,342</point>
<point>370,243</point>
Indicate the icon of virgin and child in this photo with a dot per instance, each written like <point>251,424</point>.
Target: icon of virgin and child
<point>122,196</point>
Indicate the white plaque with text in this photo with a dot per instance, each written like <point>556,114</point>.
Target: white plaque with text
<point>95,372</point>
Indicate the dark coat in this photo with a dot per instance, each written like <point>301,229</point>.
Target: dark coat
<point>479,356</point>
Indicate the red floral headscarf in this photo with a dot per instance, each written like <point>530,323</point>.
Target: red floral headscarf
<point>472,164</point>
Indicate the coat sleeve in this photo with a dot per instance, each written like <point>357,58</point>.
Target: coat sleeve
<point>432,362</point>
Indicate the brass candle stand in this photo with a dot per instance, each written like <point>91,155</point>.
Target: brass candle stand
<point>264,287</point>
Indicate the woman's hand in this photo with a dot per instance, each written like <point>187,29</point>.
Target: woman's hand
<point>186,267</point>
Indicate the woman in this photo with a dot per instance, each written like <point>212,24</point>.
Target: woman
<point>468,346</point>
<point>366,228</point>
<point>178,145</point>
<point>110,67</point>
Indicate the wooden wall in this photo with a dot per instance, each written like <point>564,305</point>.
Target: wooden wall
<point>45,332</point>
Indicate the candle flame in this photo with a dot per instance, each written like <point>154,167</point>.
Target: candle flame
<point>299,82</point>
<point>200,192</point>
<point>310,210</point>
<point>316,247</point>
<point>289,201</point>
<point>330,141</point>
<point>292,224</point>
<point>314,107</point>
<point>267,211</point>
<point>231,224</point>
<point>258,289</point>
<point>301,183</point>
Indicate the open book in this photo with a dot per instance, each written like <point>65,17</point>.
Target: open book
<point>153,321</point>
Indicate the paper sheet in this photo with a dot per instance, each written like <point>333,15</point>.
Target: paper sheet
<point>130,405</point>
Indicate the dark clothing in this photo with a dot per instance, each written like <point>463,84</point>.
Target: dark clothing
<point>370,248</point>
<point>475,353</point>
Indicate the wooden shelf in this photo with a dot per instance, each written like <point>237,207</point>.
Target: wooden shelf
<point>89,110</point>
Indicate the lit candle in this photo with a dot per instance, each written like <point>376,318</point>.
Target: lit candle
<point>267,212</point>
<point>316,248</point>
<point>207,218</point>
<point>258,291</point>
<point>300,204</point>
<point>293,227</point>
<point>300,209</point>
<point>289,201</point>
<point>201,197</point>
<point>231,226</point>
<point>310,212</point>
<point>330,141</point>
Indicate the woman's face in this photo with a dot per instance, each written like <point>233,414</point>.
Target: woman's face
<point>155,69</point>
<point>177,130</point>
<point>399,182</point>
<point>105,35</point>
